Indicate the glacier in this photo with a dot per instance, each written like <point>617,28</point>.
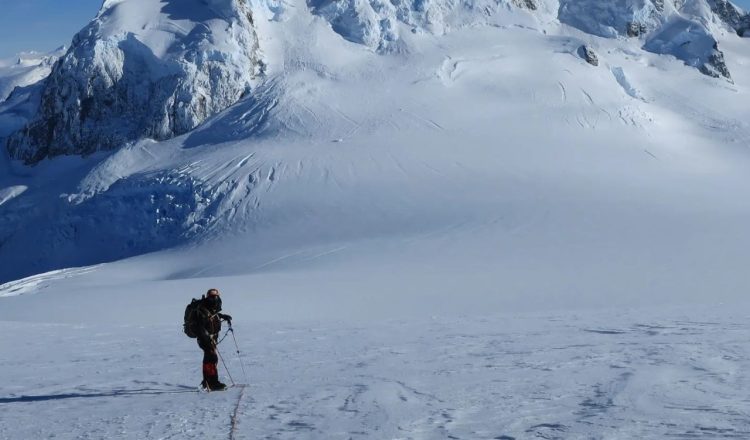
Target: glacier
<point>438,222</point>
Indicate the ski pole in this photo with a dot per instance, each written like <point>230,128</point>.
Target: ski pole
<point>242,364</point>
<point>225,366</point>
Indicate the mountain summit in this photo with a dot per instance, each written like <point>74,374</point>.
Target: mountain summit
<point>143,69</point>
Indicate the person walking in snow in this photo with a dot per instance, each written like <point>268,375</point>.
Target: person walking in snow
<point>206,326</point>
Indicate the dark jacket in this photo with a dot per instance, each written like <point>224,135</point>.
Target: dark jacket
<point>208,324</point>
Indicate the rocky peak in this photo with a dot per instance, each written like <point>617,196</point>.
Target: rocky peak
<point>143,68</point>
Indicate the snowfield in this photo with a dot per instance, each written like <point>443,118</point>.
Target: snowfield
<point>623,374</point>
<point>468,232</point>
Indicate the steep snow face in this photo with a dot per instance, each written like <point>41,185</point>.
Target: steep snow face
<point>143,68</point>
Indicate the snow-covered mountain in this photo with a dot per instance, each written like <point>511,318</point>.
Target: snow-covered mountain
<point>143,69</point>
<point>151,69</point>
<point>26,69</point>
<point>21,81</point>
<point>437,219</point>
<point>146,69</point>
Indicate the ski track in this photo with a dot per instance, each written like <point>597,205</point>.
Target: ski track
<point>556,376</point>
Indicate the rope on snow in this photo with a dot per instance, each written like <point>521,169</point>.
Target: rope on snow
<point>234,417</point>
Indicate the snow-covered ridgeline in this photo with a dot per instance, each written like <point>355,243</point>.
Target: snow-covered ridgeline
<point>26,69</point>
<point>681,28</point>
<point>21,81</point>
<point>149,69</point>
<point>143,69</point>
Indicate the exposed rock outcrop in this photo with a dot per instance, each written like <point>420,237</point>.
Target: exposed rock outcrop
<point>588,55</point>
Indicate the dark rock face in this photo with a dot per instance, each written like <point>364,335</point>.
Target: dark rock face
<point>635,29</point>
<point>715,65</point>
<point>730,15</point>
<point>726,11</point>
<point>528,4</point>
<point>589,55</point>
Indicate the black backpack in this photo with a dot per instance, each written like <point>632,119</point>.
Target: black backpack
<point>191,318</point>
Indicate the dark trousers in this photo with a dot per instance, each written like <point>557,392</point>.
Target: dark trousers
<point>210,362</point>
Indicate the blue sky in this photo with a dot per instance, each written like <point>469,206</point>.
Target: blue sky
<point>42,24</point>
<point>46,24</point>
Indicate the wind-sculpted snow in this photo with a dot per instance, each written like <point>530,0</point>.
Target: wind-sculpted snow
<point>143,68</point>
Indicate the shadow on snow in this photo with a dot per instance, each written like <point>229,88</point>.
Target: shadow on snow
<point>113,393</point>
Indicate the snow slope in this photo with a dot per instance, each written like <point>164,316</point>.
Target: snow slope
<point>448,139</point>
<point>482,236</point>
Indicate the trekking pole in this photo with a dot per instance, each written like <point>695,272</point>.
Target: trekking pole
<point>242,364</point>
<point>225,365</point>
